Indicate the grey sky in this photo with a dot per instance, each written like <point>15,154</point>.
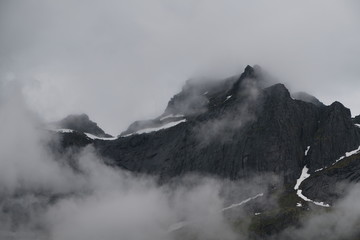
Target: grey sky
<point>120,61</point>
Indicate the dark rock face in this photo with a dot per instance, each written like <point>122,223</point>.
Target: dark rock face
<point>81,123</point>
<point>243,129</point>
<point>235,129</point>
<point>329,184</point>
<point>356,119</point>
<point>335,135</point>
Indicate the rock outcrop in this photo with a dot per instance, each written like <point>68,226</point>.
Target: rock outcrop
<point>82,124</point>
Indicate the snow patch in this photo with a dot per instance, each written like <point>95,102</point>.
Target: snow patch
<point>243,202</point>
<point>305,175</point>
<point>257,214</point>
<point>299,205</point>
<point>348,154</point>
<point>227,98</point>
<point>322,204</point>
<point>179,225</point>
<point>91,136</point>
<point>357,125</point>
<point>307,150</point>
<point>171,116</point>
<point>320,169</point>
<point>155,129</point>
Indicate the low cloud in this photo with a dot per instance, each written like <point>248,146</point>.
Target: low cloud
<point>45,197</point>
<point>90,54</point>
<point>339,222</point>
<point>222,127</point>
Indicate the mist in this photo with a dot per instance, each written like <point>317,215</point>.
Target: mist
<point>221,128</point>
<point>77,196</point>
<point>121,61</point>
<point>341,222</point>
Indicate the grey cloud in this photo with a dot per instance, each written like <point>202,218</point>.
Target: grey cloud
<point>222,127</point>
<point>341,222</point>
<point>44,197</point>
<point>121,61</point>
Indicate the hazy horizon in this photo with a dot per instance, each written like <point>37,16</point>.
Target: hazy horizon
<point>121,61</point>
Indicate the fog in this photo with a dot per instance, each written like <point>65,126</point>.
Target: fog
<point>43,196</point>
<point>339,223</point>
<point>221,129</point>
<point>121,61</point>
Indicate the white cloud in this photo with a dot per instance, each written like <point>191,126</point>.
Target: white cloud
<point>121,61</point>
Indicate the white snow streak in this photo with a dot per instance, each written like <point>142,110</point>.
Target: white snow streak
<point>179,225</point>
<point>307,150</point>
<point>155,129</point>
<point>171,116</point>
<point>89,135</point>
<point>303,177</point>
<point>227,98</point>
<point>348,154</point>
<point>320,169</point>
<point>242,203</point>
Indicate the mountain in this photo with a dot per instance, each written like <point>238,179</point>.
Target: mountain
<point>81,123</point>
<point>234,128</point>
<point>356,119</point>
<point>237,128</point>
<point>303,96</point>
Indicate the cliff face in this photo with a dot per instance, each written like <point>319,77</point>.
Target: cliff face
<point>235,130</point>
<point>241,127</point>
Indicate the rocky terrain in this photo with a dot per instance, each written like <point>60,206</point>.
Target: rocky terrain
<point>237,128</point>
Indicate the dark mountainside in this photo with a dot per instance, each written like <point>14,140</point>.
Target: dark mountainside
<point>237,128</point>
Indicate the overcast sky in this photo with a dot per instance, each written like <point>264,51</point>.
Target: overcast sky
<point>121,61</point>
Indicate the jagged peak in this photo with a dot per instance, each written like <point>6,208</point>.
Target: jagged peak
<point>279,89</point>
<point>339,107</point>
<point>250,72</point>
<point>356,119</point>
<point>306,97</point>
<point>81,123</point>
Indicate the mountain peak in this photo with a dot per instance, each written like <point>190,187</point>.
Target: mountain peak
<point>81,123</point>
<point>249,72</point>
<point>249,68</point>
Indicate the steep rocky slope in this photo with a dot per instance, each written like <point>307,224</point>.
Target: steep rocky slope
<point>236,130</point>
<point>241,127</point>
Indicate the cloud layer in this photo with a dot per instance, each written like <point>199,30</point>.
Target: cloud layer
<point>121,61</point>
